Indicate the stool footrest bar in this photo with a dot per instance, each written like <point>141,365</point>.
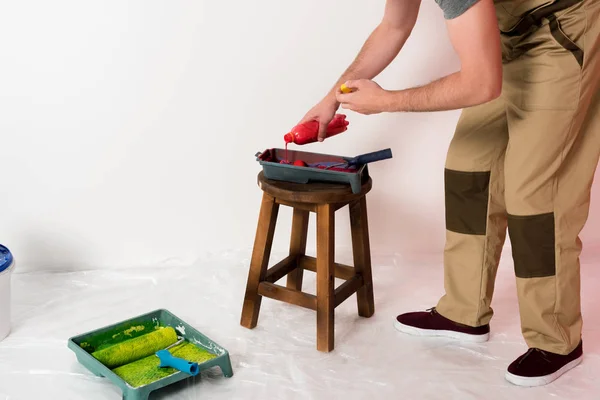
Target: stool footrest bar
<point>341,271</point>
<point>281,269</point>
<point>347,289</point>
<point>286,295</point>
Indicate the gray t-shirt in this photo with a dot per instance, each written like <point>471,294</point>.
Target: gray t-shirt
<point>454,8</point>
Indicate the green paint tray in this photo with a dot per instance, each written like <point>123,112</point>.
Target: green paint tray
<point>84,344</point>
<point>274,170</point>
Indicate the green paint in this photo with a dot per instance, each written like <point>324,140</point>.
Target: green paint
<point>146,370</point>
<point>128,330</point>
<point>137,348</point>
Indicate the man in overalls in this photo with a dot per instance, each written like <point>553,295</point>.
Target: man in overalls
<point>522,160</point>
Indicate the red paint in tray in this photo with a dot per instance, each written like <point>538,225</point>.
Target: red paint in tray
<point>311,160</point>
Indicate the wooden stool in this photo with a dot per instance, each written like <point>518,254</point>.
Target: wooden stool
<point>324,199</point>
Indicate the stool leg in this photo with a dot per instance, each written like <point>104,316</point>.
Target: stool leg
<point>260,260</point>
<point>362,256</point>
<point>325,277</point>
<point>298,246</point>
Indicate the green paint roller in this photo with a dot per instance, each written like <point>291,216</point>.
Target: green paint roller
<point>158,342</point>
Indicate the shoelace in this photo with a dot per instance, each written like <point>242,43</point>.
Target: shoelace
<point>533,350</point>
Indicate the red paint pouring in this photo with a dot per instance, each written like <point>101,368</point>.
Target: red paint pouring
<point>286,156</point>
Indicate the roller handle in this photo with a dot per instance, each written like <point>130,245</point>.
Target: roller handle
<point>371,157</point>
<point>167,360</point>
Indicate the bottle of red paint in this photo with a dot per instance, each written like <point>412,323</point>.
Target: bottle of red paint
<point>308,132</point>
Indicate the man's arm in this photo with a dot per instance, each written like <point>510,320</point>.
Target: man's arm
<point>384,43</point>
<point>381,47</point>
<point>476,39</point>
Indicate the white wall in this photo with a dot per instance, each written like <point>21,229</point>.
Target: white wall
<point>129,128</point>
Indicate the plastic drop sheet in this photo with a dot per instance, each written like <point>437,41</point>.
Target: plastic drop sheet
<point>278,359</point>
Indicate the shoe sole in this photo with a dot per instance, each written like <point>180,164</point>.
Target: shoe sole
<point>463,337</point>
<point>541,380</point>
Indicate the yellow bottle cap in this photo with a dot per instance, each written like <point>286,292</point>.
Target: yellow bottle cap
<point>345,89</point>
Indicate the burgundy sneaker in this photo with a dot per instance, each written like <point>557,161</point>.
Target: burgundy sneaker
<point>431,323</point>
<point>538,367</point>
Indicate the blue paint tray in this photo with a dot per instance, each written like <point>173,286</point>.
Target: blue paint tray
<point>83,345</point>
<point>274,170</point>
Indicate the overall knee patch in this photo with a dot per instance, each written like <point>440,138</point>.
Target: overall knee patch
<point>532,240</point>
<point>466,195</point>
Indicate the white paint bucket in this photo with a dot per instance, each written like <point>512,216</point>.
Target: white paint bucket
<point>7,265</point>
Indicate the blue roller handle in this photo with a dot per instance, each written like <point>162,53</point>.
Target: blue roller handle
<point>167,360</point>
<point>371,157</point>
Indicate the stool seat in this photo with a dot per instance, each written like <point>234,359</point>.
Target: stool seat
<point>323,199</point>
<point>312,193</point>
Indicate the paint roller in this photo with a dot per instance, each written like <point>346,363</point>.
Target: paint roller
<point>158,343</point>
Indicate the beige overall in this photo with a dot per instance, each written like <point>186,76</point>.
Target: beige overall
<point>525,163</point>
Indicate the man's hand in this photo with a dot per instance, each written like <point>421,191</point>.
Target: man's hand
<point>324,113</point>
<point>367,97</point>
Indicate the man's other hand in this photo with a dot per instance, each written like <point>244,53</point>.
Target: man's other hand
<point>367,97</point>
